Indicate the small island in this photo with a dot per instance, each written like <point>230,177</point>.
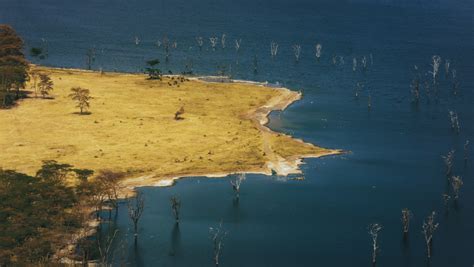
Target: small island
<point>153,130</point>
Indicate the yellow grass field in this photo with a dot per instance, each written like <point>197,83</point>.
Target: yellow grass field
<point>132,127</point>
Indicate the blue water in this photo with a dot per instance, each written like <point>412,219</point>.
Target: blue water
<point>395,147</point>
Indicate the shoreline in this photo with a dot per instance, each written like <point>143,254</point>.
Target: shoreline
<point>260,116</point>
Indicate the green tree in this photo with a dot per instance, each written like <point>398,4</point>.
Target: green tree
<point>153,72</point>
<point>45,85</point>
<point>82,97</point>
<point>13,65</point>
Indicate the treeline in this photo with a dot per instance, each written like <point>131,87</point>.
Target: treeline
<point>40,214</point>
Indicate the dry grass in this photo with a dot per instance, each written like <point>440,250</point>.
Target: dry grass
<point>132,128</point>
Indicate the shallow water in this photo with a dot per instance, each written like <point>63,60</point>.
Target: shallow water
<point>395,147</point>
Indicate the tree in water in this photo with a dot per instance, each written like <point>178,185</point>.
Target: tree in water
<point>297,52</point>
<point>429,227</point>
<point>456,183</point>
<point>45,85</point>
<point>217,236</point>
<point>446,199</point>
<point>453,116</point>
<point>466,152</point>
<point>13,66</point>
<point>354,64</point>
<point>175,207</point>
<point>213,41</point>
<point>447,64</point>
<point>374,230</point>
<point>200,42</point>
<point>90,57</point>
<point>237,182</point>
<point>448,162</point>
<point>273,49</point>
<point>406,216</point>
<point>436,61</point>
<point>135,211</point>
<point>106,249</point>
<point>82,97</point>
<point>237,44</point>
<point>319,49</point>
<point>223,40</point>
<point>415,86</point>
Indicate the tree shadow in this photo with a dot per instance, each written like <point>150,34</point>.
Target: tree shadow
<point>85,113</point>
<point>175,240</point>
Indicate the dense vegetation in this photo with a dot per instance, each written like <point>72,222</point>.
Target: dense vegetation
<point>39,213</point>
<point>13,66</point>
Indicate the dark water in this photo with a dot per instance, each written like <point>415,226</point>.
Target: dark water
<point>396,147</point>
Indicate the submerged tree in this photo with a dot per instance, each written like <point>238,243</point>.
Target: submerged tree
<point>273,49</point>
<point>354,64</point>
<point>213,41</point>
<point>374,230</point>
<point>237,44</point>
<point>436,61</point>
<point>446,199</point>
<point>319,48</point>
<point>106,249</point>
<point>45,85</point>
<point>90,57</point>
<point>429,227</point>
<point>456,183</point>
<point>135,211</point>
<point>223,40</point>
<point>82,97</point>
<point>297,51</point>
<point>237,182</point>
<point>447,64</point>
<point>448,162</point>
<point>453,116</point>
<point>217,236</point>
<point>415,86</point>
<point>364,63</point>
<point>466,151</point>
<point>175,207</point>
<point>406,216</point>
<point>200,42</point>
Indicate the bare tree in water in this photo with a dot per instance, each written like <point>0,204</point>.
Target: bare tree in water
<point>453,116</point>
<point>200,42</point>
<point>175,207</point>
<point>319,48</point>
<point>466,151</point>
<point>135,211</point>
<point>429,227</point>
<point>447,64</point>
<point>217,236</point>
<point>436,61</point>
<point>446,199</point>
<point>273,49</point>
<point>90,57</point>
<point>455,82</point>
<point>237,182</point>
<point>374,230</point>
<point>297,52</point>
<point>406,216</point>
<point>364,63</point>
<point>456,183</point>
<point>223,40</point>
<point>213,41</point>
<point>448,162</point>
<point>106,249</point>
<point>237,44</point>
<point>415,86</point>
<point>358,88</point>
<point>354,64</point>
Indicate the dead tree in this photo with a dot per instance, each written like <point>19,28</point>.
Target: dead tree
<point>213,41</point>
<point>137,40</point>
<point>448,162</point>
<point>217,237</point>
<point>466,151</point>
<point>456,183</point>
<point>358,88</point>
<point>90,57</point>
<point>415,86</point>
<point>453,116</point>
<point>369,102</point>
<point>297,52</point>
<point>436,61</point>
<point>273,49</point>
<point>158,43</point>
<point>200,42</point>
<point>374,230</point>
<point>237,44</point>
<point>135,211</point>
<point>334,59</point>
<point>406,216</point>
<point>106,249</point>
<point>237,182</point>
<point>429,227</point>
<point>223,40</point>
<point>446,199</point>
<point>354,64</point>
<point>364,63</point>
<point>447,64</point>
<point>341,60</point>
<point>166,47</point>
<point>175,207</point>
<point>319,48</point>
